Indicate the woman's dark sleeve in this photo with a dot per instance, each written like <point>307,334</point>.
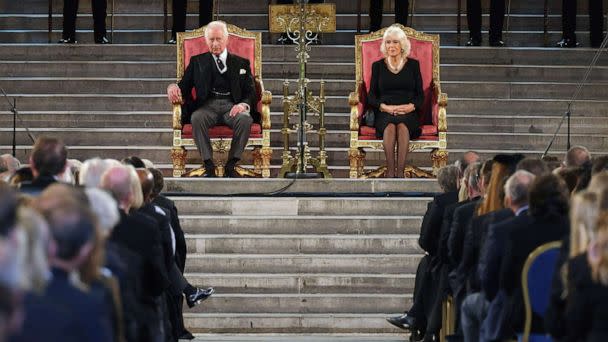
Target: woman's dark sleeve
<point>372,97</point>
<point>418,99</point>
<point>554,316</point>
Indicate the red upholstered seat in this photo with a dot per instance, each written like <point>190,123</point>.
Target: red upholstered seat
<point>246,45</point>
<point>425,49</point>
<point>222,131</point>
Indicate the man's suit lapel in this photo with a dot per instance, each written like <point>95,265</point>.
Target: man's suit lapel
<point>233,70</point>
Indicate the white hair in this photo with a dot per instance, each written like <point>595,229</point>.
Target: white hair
<point>218,24</point>
<point>92,170</point>
<point>105,208</point>
<point>396,31</point>
<point>12,163</point>
<point>148,163</point>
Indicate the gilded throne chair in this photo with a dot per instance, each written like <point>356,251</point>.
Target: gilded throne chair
<point>244,44</point>
<point>433,122</point>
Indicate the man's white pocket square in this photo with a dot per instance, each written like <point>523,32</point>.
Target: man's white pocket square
<point>242,72</point>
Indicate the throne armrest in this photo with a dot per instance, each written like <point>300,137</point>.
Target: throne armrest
<point>266,99</point>
<point>353,101</point>
<point>177,116</point>
<point>440,102</point>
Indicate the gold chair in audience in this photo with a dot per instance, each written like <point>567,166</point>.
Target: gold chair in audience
<point>244,44</point>
<point>425,49</point>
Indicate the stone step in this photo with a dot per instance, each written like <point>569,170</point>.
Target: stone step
<point>525,124</point>
<point>302,243</point>
<point>530,38</point>
<point>335,87</point>
<point>290,70</point>
<point>258,6</point>
<point>308,324</point>
<point>304,263</point>
<point>250,283</point>
<point>194,223</point>
<point>282,54</point>
<point>259,21</point>
<point>296,207</point>
<point>232,187</point>
<point>304,303</point>
<point>89,119</point>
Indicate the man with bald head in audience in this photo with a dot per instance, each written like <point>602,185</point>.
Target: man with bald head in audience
<point>577,156</point>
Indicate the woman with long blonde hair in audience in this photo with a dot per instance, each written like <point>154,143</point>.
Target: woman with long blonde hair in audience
<point>587,303</point>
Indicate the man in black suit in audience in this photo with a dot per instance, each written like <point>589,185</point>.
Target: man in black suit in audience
<point>180,8</point>
<point>225,93</point>
<point>497,16</point>
<point>70,11</point>
<point>375,13</point>
<point>63,311</point>
<point>596,23</point>
<point>415,319</point>
<point>549,210</point>
<point>475,306</point>
<point>48,161</point>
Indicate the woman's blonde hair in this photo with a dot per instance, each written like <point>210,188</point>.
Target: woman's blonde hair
<point>584,213</point>
<point>494,193</point>
<point>599,251</point>
<point>395,30</point>
<point>138,196</point>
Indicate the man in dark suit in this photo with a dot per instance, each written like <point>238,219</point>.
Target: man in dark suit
<point>497,16</point>
<point>415,319</point>
<point>225,93</point>
<point>63,311</point>
<point>596,23</point>
<point>48,161</point>
<point>375,13</point>
<point>475,306</point>
<point>180,8</point>
<point>549,210</point>
<point>70,10</point>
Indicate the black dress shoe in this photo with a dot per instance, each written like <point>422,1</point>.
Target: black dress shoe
<point>209,172</point>
<point>404,322</point>
<point>567,43</point>
<point>173,41</point>
<point>497,43</point>
<point>102,40</point>
<point>473,42</point>
<point>198,296</point>
<point>67,41</point>
<point>186,335</point>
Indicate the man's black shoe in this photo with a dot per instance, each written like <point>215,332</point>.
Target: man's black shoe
<point>416,336</point>
<point>209,172</point>
<point>567,43</point>
<point>186,335</point>
<point>230,168</point>
<point>474,42</point>
<point>102,40</point>
<point>173,41</point>
<point>403,322</point>
<point>497,43</point>
<point>198,296</point>
<point>67,41</point>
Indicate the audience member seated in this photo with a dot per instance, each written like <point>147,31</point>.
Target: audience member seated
<point>63,311</point>
<point>572,262</point>
<point>415,319</point>
<point>8,166</point>
<point>599,164</point>
<point>577,156</point>
<point>475,306</point>
<point>396,97</point>
<point>549,222</point>
<point>92,170</point>
<point>467,158</point>
<point>48,162</point>
<point>587,303</point>
<point>535,166</point>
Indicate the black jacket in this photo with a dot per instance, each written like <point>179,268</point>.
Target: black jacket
<point>433,218</point>
<point>198,74</point>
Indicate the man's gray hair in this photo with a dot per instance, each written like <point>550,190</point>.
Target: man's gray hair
<point>9,162</point>
<point>577,156</point>
<point>92,170</point>
<point>218,24</point>
<point>447,177</point>
<point>518,185</point>
<point>105,209</point>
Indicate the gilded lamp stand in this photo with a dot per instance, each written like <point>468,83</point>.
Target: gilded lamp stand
<point>302,23</point>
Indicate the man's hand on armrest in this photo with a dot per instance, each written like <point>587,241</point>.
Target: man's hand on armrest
<point>174,93</point>
<point>239,108</point>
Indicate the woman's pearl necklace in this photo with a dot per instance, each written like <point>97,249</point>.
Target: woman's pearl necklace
<point>395,68</point>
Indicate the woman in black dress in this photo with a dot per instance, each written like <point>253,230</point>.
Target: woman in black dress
<point>396,96</point>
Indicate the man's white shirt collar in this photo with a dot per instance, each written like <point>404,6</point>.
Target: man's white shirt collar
<point>222,57</point>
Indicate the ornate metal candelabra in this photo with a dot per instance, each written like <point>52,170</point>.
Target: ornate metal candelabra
<point>302,24</point>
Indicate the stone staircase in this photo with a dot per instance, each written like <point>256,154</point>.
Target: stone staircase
<point>304,263</point>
